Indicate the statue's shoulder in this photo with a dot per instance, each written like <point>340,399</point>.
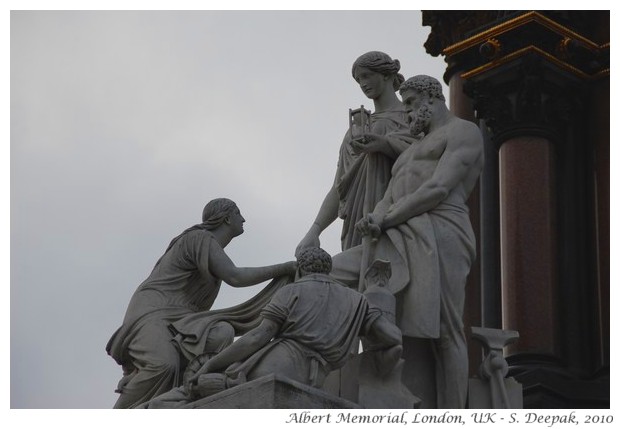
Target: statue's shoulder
<point>464,124</point>
<point>318,278</point>
<point>464,130</point>
<point>456,122</point>
<point>198,235</point>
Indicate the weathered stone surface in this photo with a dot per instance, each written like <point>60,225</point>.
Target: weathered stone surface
<point>364,164</point>
<point>383,392</point>
<point>422,228</point>
<point>483,395</point>
<point>184,282</point>
<point>270,392</point>
<point>492,389</point>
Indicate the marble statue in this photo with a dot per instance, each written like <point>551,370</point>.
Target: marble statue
<point>308,329</point>
<point>363,170</point>
<point>314,323</point>
<point>422,226</point>
<point>185,281</point>
<point>404,175</point>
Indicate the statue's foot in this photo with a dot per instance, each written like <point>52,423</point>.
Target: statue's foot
<point>209,384</point>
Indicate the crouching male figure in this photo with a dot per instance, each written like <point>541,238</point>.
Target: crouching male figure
<point>308,329</point>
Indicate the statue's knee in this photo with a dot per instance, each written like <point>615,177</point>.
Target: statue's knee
<point>223,332</point>
<point>167,364</point>
<point>168,367</point>
<point>220,336</point>
<point>156,403</point>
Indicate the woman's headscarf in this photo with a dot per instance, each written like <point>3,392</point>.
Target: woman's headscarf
<point>213,215</point>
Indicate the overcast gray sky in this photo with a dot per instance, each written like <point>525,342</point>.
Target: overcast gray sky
<point>124,124</point>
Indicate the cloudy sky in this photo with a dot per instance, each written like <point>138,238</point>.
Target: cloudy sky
<point>124,124</point>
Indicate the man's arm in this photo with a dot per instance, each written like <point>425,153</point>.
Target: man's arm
<point>386,341</point>
<point>384,334</point>
<point>463,151</point>
<point>391,144</point>
<point>241,349</point>
<point>400,141</point>
<point>371,223</point>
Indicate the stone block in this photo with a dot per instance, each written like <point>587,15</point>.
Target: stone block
<point>272,392</point>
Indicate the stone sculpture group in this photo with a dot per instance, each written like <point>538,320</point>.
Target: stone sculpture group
<point>401,188</point>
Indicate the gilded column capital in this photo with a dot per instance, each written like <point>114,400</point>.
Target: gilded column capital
<point>525,71</point>
<point>529,98</point>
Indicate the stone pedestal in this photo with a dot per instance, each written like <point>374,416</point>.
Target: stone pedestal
<point>418,353</point>
<point>358,382</point>
<point>272,392</point>
<point>491,389</point>
<point>481,393</point>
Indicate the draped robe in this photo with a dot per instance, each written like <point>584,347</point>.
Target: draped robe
<point>361,179</point>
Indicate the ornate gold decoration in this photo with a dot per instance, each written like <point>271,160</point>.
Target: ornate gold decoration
<point>490,49</point>
<point>563,47</point>
<point>521,52</point>
<point>514,23</point>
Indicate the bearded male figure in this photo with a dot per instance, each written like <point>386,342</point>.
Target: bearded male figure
<point>422,227</point>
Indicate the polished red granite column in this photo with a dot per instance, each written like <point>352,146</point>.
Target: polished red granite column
<point>539,82</point>
<point>528,240</point>
<point>600,134</point>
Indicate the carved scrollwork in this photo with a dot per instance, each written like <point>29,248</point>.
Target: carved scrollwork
<point>491,49</point>
<point>449,27</point>
<point>563,108</point>
<point>494,108</point>
<point>532,102</point>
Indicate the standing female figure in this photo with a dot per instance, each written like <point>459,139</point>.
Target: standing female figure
<point>364,165</point>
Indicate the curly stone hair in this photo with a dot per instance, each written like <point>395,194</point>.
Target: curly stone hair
<point>425,85</point>
<point>314,260</point>
<point>380,62</point>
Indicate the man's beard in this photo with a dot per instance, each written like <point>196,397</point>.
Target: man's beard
<point>422,120</point>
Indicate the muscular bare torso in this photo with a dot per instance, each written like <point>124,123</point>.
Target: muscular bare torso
<point>435,154</point>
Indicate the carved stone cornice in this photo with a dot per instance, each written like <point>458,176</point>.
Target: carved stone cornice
<point>449,26</point>
<point>525,71</point>
<point>529,97</point>
<point>474,42</point>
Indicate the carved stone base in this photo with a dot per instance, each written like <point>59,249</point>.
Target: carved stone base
<point>272,392</point>
<point>383,392</point>
<point>358,382</point>
<point>481,394</point>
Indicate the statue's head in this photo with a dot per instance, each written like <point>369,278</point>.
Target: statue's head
<point>426,86</point>
<point>314,260</point>
<point>379,62</point>
<point>419,94</point>
<point>220,211</point>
